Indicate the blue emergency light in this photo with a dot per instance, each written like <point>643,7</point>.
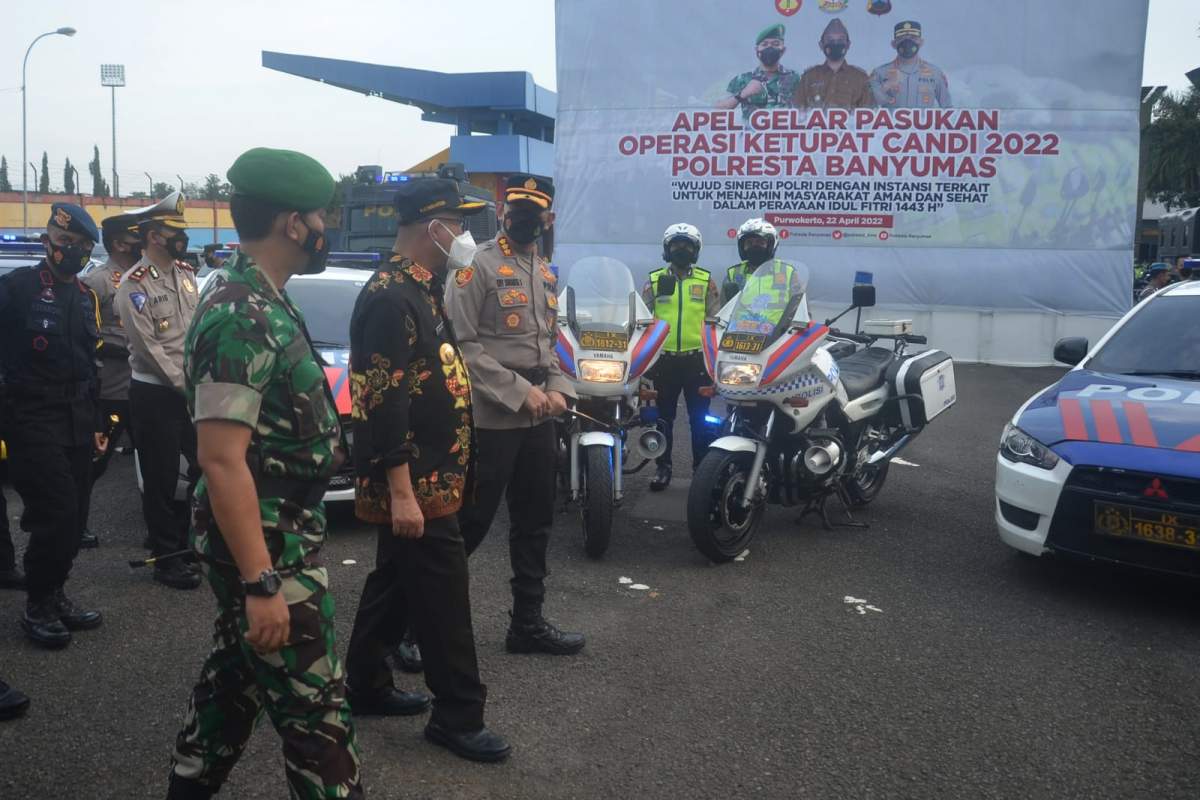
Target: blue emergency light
<point>864,277</point>
<point>711,419</point>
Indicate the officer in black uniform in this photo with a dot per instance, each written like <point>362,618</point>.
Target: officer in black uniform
<point>49,335</point>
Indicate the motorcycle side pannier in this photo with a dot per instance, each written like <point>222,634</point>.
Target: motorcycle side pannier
<point>925,386</point>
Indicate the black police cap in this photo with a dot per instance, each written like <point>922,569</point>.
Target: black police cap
<point>425,198</point>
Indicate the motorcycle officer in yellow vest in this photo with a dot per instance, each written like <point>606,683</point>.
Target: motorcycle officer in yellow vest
<point>683,295</point>
<point>757,241</point>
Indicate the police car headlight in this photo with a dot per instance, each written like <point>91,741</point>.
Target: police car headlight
<point>738,374</point>
<point>598,371</point>
<point>1017,445</point>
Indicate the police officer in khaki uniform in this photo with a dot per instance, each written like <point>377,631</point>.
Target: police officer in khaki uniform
<point>156,301</point>
<point>504,310</point>
<point>834,84</point>
<point>909,81</point>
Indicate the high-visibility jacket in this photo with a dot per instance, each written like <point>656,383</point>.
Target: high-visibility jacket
<point>684,309</point>
<point>780,283</point>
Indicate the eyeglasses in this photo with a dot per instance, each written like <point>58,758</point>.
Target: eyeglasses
<point>459,221</point>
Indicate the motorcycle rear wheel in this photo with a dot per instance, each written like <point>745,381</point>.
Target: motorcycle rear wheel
<point>866,485</point>
<point>596,505</point>
<point>720,528</point>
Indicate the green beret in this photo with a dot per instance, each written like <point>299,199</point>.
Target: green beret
<point>283,177</point>
<point>771,32</point>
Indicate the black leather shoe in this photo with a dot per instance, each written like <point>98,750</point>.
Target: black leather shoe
<point>480,745</point>
<point>533,634</point>
<point>74,617</point>
<point>407,657</point>
<point>389,702</point>
<point>12,578</point>
<point>661,479</point>
<point>188,789</point>
<point>175,573</point>
<point>89,540</point>
<point>42,625</point>
<point>13,703</point>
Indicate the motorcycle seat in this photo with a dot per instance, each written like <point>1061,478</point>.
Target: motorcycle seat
<point>864,371</point>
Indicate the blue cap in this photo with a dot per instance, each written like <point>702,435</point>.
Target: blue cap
<point>1158,266</point>
<point>73,218</point>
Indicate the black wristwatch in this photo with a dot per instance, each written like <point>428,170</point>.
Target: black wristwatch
<point>268,584</point>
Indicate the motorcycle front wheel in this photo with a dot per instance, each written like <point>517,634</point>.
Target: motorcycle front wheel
<point>596,504</point>
<point>720,527</point>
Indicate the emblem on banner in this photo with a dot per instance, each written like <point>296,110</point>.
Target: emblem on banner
<point>833,6</point>
<point>879,7</point>
<point>788,7</point>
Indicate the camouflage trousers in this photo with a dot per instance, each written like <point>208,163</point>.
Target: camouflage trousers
<point>301,687</point>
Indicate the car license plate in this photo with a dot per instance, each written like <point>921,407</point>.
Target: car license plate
<point>1141,524</point>
<point>603,340</point>
<point>743,342</point>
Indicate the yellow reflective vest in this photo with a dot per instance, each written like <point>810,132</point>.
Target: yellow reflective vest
<point>684,310</point>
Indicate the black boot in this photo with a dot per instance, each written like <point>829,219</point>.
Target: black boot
<point>42,624</point>
<point>12,578</point>
<point>74,617</point>
<point>175,573</point>
<point>387,702</point>
<point>661,479</point>
<point>89,540</point>
<point>188,789</point>
<point>407,655</point>
<point>13,703</point>
<point>481,745</point>
<point>529,632</point>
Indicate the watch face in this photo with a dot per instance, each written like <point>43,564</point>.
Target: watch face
<point>271,582</point>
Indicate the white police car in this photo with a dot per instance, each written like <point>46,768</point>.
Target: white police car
<point>1106,463</point>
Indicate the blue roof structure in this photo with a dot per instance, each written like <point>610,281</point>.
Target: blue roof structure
<point>516,113</point>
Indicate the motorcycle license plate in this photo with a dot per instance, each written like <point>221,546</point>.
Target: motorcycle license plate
<point>603,340</point>
<point>743,342</point>
<point>1140,524</point>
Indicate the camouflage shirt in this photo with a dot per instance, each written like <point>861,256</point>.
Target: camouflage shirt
<point>248,360</point>
<point>778,89</point>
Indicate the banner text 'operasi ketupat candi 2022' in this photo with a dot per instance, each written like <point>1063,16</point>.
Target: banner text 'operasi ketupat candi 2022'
<point>978,157</point>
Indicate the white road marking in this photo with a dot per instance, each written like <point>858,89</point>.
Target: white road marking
<point>641,587</point>
<point>659,528</point>
<point>903,463</point>
<point>624,581</point>
<point>349,562</point>
<point>860,605</point>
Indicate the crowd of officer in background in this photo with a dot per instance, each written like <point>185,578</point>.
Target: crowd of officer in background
<point>1160,274</point>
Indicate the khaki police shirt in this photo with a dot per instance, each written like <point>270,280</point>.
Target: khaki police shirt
<point>505,314</point>
<point>823,87</point>
<point>156,305</point>
<point>114,353</point>
<point>921,85</point>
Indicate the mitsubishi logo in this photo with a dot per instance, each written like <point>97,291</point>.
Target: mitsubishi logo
<point>1156,491</point>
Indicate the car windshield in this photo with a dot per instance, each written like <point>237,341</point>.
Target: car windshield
<point>1161,339</point>
<point>326,305</point>
<point>770,299</point>
<point>602,287</point>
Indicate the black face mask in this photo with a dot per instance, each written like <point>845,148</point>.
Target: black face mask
<point>177,245</point>
<point>770,56</point>
<point>683,258</point>
<point>523,228</point>
<point>69,259</point>
<point>836,52</point>
<point>908,49</point>
<point>317,247</point>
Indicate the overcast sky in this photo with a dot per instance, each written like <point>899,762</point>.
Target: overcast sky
<point>197,94</point>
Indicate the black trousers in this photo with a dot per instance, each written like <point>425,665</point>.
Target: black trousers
<point>675,375</point>
<point>109,409</point>
<point>8,553</point>
<point>516,464</point>
<point>423,581</point>
<point>162,432</point>
<point>54,482</point>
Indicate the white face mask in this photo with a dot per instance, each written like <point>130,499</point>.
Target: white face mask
<point>462,249</point>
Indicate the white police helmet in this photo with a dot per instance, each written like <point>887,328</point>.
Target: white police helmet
<point>757,227</point>
<point>681,230</point>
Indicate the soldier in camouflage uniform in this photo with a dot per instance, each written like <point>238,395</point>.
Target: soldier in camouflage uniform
<point>770,85</point>
<point>269,440</point>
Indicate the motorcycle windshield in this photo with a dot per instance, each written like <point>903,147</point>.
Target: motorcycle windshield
<point>770,300</point>
<point>601,287</point>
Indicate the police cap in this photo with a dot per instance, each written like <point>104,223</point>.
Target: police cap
<point>907,28</point>
<point>168,212</point>
<point>534,189</point>
<point>283,178</point>
<point>74,219</point>
<point>426,198</point>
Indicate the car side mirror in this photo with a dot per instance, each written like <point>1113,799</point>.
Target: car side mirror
<point>666,286</point>
<point>1071,350</point>
<point>863,295</point>
<point>729,290</point>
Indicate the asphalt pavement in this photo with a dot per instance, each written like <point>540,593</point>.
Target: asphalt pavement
<point>918,658</point>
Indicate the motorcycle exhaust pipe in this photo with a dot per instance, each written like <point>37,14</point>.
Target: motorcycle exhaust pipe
<point>650,444</point>
<point>821,459</point>
<point>883,455</point>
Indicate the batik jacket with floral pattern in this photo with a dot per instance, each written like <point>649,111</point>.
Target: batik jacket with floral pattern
<point>410,394</point>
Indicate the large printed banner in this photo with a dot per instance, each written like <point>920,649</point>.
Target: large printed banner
<point>972,153</point>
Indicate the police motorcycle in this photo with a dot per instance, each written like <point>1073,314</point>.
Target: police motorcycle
<point>607,340</point>
<point>813,413</point>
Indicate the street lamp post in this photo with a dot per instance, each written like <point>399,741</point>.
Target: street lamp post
<point>33,167</point>
<point>113,75</point>
<point>177,175</point>
<point>24,143</point>
<point>78,188</point>
<point>151,195</point>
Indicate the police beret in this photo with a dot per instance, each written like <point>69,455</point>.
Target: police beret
<point>776,31</point>
<point>71,217</point>
<point>1158,266</point>
<point>426,198</point>
<point>537,190</point>
<point>285,178</point>
<point>907,28</point>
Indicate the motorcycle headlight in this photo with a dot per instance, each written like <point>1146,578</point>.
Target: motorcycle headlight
<point>738,374</point>
<point>1017,445</point>
<point>598,371</point>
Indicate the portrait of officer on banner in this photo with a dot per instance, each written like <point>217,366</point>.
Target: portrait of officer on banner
<point>834,83</point>
<point>769,85</point>
<point>909,81</point>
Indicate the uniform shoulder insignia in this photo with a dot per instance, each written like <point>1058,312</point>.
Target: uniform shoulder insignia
<point>396,259</point>
<point>504,245</point>
<point>154,272</point>
<point>185,266</point>
<point>137,274</point>
<point>464,276</point>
